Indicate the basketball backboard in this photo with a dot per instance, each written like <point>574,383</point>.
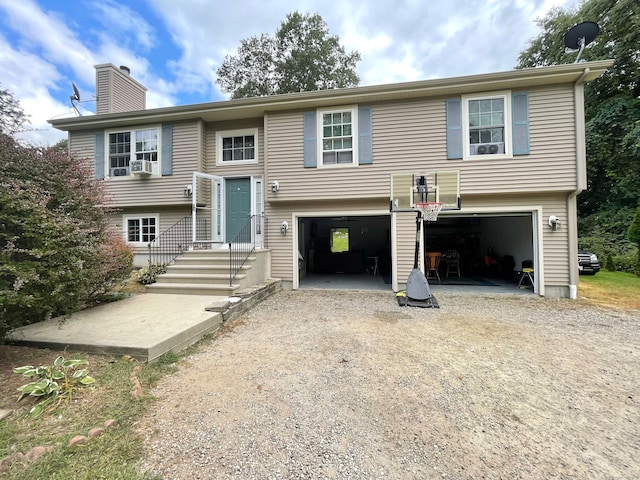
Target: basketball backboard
<point>410,188</point>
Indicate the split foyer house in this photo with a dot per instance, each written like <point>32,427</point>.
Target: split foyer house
<point>300,173</point>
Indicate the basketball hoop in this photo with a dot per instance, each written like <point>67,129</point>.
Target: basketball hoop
<point>429,210</point>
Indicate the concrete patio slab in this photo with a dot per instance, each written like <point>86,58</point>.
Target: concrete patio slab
<point>144,326</point>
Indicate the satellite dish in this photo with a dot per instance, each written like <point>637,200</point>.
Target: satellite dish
<point>75,98</point>
<point>580,36</point>
<point>76,93</point>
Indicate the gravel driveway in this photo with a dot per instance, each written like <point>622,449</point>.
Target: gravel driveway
<point>347,385</point>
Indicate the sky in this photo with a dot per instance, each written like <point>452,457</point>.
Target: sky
<point>174,47</point>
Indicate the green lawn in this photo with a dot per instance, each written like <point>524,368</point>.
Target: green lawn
<point>615,289</point>
<point>340,240</point>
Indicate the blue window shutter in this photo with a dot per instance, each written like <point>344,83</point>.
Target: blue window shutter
<point>365,139</point>
<point>310,140</point>
<point>99,165</point>
<point>520,123</point>
<point>454,129</point>
<point>167,150</point>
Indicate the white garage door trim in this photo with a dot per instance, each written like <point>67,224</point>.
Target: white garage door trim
<point>295,216</point>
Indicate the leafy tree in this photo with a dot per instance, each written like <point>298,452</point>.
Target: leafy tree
<point>61,145</point>
<point>302,56</point>
<point>12,117</point>
<point>57,253</point>
<point>619,39</point>
<point>612,107</point>
<point>613,162</point>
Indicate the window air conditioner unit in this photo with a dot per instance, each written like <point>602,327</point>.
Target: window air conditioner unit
<point>487,148</point>
<point>118,172</point>
<point>140,167</point>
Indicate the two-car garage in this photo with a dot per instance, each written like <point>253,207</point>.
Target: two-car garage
<point>492,247</point>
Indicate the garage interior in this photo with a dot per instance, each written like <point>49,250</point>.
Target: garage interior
<point>354,252</point>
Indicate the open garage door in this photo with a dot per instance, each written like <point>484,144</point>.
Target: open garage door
<point>493,247</point>
<point>345,252</point>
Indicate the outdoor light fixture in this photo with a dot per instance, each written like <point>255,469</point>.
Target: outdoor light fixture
<point>554,222</point>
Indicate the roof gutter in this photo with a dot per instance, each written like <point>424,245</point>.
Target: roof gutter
<point>581,175</point>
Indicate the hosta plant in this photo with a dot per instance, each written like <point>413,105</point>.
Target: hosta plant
<point>53,383</point>
<point>148,274</point>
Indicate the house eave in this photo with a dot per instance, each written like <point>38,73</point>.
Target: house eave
<point>258,106</point>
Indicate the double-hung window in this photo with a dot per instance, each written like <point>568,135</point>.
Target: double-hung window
<point>486,125</point>
<point>336,132</point>
<point>127,145</point>
<point>141,229</point>
<point>237,146</point>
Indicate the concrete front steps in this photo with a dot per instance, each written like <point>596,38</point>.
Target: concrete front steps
<point>206,272</point>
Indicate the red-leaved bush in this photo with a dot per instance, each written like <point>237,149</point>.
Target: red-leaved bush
<point>57,252</point>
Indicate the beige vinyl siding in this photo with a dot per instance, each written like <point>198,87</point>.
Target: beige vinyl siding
<point>285,165</point>
<point>202,152</point>
<point>551,164</point>
<point>281,246</point>
<point>411,136</point>
<point>405,245</point>
<point>231,170</point>
<point>162,190</point>
<point>103,92</point>
<point>83,145</point>
<point>125,96</point>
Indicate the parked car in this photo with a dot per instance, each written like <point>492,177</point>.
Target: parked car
<point>588,263</point>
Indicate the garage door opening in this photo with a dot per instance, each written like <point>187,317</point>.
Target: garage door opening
<point>345,252</point>
<point>492,248</point>
<point>355,252</point>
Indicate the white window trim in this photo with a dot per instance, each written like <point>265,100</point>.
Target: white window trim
<point>231,133</point>
<point>157,166</point>
<point>354,132</point>
<point>125,226</point>
<point>257,208</point>
<point>508,147</point>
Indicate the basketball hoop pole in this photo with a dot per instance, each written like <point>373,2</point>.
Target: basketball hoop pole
<point>426,211</point>
<point>421,230</point>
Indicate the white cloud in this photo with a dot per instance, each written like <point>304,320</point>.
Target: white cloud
<point>404,40</point>
<point>49,35</point>
<point>124,25</point>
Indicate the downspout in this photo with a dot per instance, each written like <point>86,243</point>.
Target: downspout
<point>581,171</point>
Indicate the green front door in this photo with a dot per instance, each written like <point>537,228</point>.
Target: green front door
<point>238,205</point>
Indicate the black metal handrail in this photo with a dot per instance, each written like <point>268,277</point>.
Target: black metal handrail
<point>244,243</point>
<point>172,242</point>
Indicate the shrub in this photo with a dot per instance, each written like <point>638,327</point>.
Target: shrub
<point>609,263</point>
<point>56,250</point>
<point>114,264</point>
<point>627,262</point>
<point>633,234</point>
<point>148,274</point>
